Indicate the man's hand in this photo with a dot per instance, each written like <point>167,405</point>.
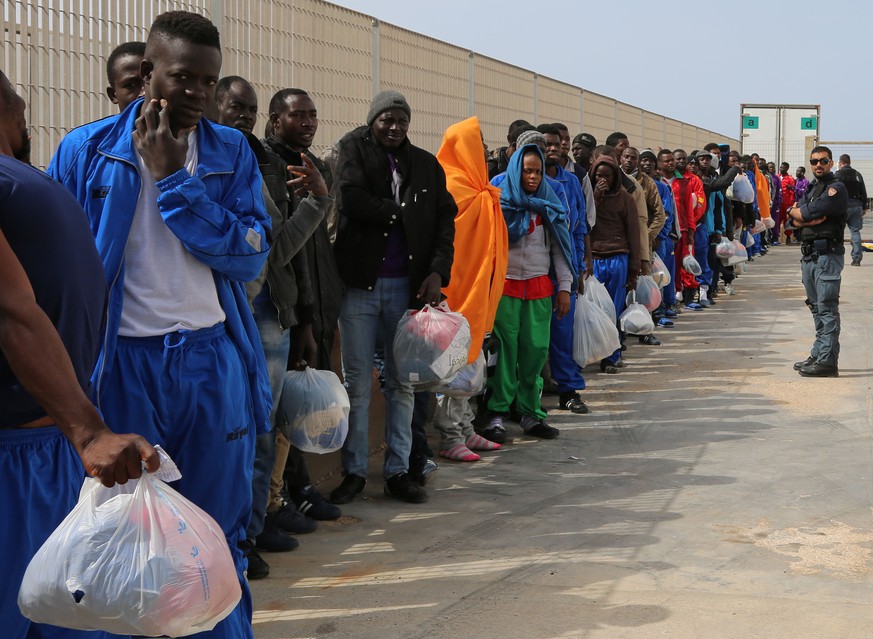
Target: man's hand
<point>429,291</point>
<point>580,288</point>
<point>308,180</point>
<point>646,267</point>
<point>113,459</point>
<point>562,304</point>
<point>716,238</point>
<point>304,350</point>
<point>162,152</point>
<point>631,282</point>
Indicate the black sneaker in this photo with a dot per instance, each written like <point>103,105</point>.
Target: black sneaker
<point>310,502</point>
<point>573,403</point>
<point>351,487</point>
<point>401,487</point>
<point>291,520</point>
<point>274,539</point>
<point>257,567</point>
<point>538,428</point>
<point>420,475</point>
<point>493,430</point>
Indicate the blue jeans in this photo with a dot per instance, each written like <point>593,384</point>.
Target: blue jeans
<point>276,343</point>
<point>821,279</point>
<point>363,315</point>
<point>855,222</point>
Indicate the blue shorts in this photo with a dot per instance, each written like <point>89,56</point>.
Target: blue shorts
<point>39,485</point>
<point>188,392</point>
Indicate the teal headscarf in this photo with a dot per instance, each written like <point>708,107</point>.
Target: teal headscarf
<point>517,205</point>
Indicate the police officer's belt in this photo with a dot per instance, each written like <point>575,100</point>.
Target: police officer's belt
<point>822,247</point>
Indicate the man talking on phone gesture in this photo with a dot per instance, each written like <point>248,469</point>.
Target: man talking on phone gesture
<point>176,208</point>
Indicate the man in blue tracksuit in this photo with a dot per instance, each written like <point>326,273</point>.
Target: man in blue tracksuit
<point>665,240</point>
<point>176,208</point>
<point>565,371</point>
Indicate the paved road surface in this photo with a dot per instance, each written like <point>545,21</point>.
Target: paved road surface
<point>711,492</point>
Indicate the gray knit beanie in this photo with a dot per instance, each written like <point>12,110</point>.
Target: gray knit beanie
<point>385,101</point>
<point>531,137</point>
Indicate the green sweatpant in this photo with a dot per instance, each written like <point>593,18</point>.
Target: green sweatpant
<point>522,327</point>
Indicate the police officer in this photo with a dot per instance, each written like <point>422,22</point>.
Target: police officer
<point>857,203</point>
<point>820,220</point>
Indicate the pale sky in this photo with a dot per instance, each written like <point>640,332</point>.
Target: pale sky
<point>693,61</point>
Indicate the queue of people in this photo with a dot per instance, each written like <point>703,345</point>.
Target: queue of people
<point>217,260</point>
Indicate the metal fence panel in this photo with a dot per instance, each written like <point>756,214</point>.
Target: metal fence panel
<point>55,53</point>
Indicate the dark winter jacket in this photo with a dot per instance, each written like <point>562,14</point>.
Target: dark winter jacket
<point>368,212</point>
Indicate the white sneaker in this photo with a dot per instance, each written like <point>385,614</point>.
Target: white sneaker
<point>729,289</point>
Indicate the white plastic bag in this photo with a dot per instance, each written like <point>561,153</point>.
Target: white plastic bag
<point>431,344</point>
<point>741,190</point>
<point>725,249</point>
<point>636,320</point>
<point>660,272</point>
<point>313,410</point>
<point>467,382</point>
<point>740,254</point>
<point>594,333</point>
<point>691,265</point>
<point>750,241</point>
<point>134,559</point>
<point>769,222</point>
<point>759,227</point>
<point>598,295</point>
<point>646,293</point>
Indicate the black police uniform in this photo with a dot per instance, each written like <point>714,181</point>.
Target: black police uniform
<point>821,267</point>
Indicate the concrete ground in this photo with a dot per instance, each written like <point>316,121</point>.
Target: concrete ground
<point>711,492</point>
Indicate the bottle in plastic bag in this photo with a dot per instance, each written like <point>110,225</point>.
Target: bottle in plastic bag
<point>660,272</point>
<point>134,559</point>
<point>636,320</point>
<point>313,410</point>
<point>691,265</point>
<point>595,335</point>
<point>647,293</point>
<point>431,344</point>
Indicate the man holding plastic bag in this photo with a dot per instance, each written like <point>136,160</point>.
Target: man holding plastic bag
<point>394,251</point>
<point>52,306</point>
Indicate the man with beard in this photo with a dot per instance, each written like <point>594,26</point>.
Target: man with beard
<point>820,218</point>
<point>565,372</point>
<point>581,172</point>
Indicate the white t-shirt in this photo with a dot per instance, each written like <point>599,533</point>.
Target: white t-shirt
<point>165,287</point>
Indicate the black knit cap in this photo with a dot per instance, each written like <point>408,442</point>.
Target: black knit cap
<point>385,101</point>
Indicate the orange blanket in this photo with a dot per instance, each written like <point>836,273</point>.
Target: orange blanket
<point>481,241</point>
<point>763,193</point>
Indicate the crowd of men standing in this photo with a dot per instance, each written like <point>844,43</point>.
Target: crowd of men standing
<point>210,260</point>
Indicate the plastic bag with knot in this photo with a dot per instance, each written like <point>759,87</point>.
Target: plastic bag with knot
<point>313,410</point>
<point>134,559</point>
<point>431,344</point>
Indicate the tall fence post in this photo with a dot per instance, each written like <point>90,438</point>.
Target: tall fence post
<point>471,85</point>
<point>376,57</point>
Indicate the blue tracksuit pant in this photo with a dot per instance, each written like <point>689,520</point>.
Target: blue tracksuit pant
<point>565,371</point>
<point>612,273</point>
<point>701,252</point>
<point>666,252</point>
<point>188,392</point>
